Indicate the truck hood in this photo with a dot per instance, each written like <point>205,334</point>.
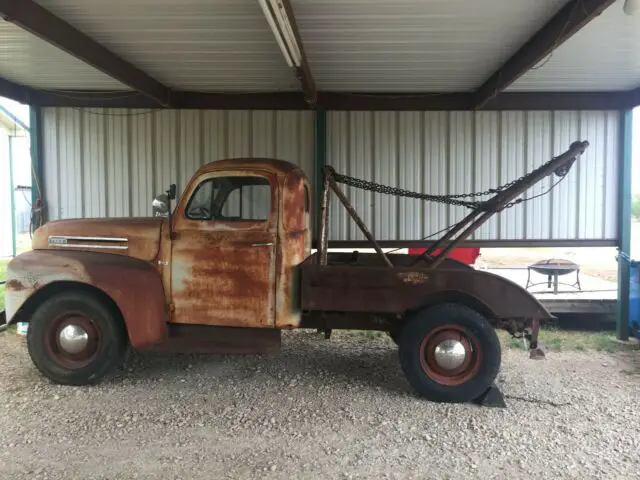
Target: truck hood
<point>133,237</point>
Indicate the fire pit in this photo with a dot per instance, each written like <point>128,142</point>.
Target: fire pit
<point>554,268</point>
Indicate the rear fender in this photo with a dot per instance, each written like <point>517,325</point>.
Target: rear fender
<point>494,296</point>
<point>134,285</point>
<point>402,290</point>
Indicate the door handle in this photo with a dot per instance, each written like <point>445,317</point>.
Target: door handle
<point>265,244</point>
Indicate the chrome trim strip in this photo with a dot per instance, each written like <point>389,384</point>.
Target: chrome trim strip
<point>79,245</point>
<point>90,239</point>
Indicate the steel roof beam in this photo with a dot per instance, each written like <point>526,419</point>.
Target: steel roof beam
<point>570,19</point>
<point>634,97</point>
<point>17,92</point>
<point>327,100</point>
<point>42,23</point>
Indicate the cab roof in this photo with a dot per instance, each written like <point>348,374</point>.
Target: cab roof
<point>269,164</point>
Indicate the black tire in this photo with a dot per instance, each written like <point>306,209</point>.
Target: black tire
<point>106,344</point>
<point>441,322</point>
<point>394,336</point>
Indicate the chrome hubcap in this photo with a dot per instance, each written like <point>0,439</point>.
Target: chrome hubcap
<point>73,339</point>
<point>450,354</point>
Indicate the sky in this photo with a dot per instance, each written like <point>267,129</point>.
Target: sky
<point>19,110</point>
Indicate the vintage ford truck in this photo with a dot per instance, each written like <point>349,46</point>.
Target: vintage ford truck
<point>230,267</point>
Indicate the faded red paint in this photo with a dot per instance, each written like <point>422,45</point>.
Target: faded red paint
<point>460,374</point>
<point>15,286</point>
<point>134,285</point>
<point>137,290</point>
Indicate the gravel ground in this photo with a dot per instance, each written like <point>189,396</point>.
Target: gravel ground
<point>320,409</point>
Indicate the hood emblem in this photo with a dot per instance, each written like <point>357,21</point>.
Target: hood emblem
<point>110,243</point>
<point>58,240</point>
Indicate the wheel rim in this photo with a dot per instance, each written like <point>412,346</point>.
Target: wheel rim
<point>72,340</point>
<point>450,355</point>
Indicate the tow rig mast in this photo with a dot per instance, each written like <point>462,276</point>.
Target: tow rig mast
<point>504,197</point>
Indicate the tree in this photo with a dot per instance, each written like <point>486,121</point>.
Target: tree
<point>635,207</point>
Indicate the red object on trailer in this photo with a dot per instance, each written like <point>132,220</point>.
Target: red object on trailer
<point>464,255</point>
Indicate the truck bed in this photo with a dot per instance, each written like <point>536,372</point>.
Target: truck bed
<point>363,283</point>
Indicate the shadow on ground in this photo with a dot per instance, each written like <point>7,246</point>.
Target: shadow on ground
<point>372,364</point>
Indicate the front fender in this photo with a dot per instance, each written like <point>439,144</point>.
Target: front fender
<point>134,285</point>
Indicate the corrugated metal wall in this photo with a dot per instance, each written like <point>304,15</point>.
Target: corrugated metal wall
<point>459,152</point>
<point>6,239</point>
<point>111,163</point>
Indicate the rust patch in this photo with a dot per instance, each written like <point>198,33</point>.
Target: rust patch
<point>134,285</point>
<point>223,272</point>
<point>242,273</point>
<point>413,278</point>
<point>15,285</point>
<point>294,245</point>
<point>223,278</point>
<point>141,236</point>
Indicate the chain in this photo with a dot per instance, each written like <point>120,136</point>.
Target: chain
<point>401,192</point>
<point>456,199</point>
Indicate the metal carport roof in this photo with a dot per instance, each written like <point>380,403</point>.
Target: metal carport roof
<point>401,55</point>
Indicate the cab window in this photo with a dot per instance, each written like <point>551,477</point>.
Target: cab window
<point>231,198</point>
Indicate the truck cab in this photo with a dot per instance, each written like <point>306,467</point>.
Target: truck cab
<point>238,233</point>
<point>225,256</point>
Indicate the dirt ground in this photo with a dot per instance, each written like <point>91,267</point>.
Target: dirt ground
<point>332,409</point>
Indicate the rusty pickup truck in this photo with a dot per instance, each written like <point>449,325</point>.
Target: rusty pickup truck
<point>231,266</point>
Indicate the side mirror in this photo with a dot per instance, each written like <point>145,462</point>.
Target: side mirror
<point>160,205</point>
<point>172,191</point>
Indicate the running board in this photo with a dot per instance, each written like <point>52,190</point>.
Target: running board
<point>207,339</point>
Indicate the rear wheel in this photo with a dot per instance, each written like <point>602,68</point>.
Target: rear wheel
<point>74,339</point>
<point>449,353</point>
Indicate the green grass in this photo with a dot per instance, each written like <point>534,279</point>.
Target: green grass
<point>554,340</point>
<point>562,340</point>
<point>3,274</point>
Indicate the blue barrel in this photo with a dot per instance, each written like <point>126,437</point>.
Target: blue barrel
<point>634,298</point>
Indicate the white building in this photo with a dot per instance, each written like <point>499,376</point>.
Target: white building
<point>15,180</point>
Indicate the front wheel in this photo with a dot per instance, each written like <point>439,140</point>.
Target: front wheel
<point>74,339</point>
<point>449,353</point>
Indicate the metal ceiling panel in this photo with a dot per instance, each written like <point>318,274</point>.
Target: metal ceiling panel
<point>26,59</point>
<point>203,45</point>
<point>414,45</point>
<point>602,56</point>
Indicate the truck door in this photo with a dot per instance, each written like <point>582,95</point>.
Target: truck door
<point>223,253</point>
